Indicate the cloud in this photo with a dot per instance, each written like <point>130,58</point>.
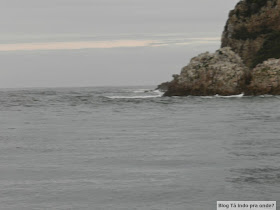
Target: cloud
<point>76,45</point>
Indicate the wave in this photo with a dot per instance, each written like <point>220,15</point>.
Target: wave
<point>133,97</point>
<point>138,94</point>
<point>158,92</point>
<point>231,96</point>
<point>208,97</point>
<point>147,91</point>
<point>267,96</point>
<point>219,96</point>
<point>141,91</point>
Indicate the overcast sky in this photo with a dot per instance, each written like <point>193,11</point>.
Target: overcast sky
<point>72,43</point>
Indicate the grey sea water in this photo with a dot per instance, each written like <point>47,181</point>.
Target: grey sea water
<point>128,148</point>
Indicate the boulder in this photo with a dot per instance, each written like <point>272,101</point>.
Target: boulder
<point>265,78</point>
<point>222,72</point>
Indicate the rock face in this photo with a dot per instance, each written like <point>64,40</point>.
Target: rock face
<point>253,31</point>
<point>247,62</point>
<point>222,72</point>
<point>265,78</point>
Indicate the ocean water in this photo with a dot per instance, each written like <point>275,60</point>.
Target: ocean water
<point>128,148</point>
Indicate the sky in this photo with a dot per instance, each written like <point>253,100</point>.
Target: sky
<point>78,43</point>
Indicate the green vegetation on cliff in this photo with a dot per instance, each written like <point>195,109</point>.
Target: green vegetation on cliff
<point>270,48</point>
<point>252,7</point>
<point>244,34</point>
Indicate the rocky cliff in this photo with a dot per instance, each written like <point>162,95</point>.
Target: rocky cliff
<point>253,31</point>
<point>247,61</point>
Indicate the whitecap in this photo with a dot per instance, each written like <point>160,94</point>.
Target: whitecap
<point>132,97</point>
<point>266,96</point>
<point>141,91</point>
<point>158,91</point>
<point>207,97</point>
<point>231,96</point>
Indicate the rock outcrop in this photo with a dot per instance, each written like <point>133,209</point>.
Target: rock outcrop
<point>222,72</point>
<point>265,78</point>
<point>247,62</point>
<point>253,31</point>
<point>163,86</point>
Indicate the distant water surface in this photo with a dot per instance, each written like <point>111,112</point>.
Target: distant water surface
<point>128,148</point>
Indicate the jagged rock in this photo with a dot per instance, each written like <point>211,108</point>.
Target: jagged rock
<point>265,78</point>
<point>222,72</point>
<point>253,31</point>
<point>163,86</point>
